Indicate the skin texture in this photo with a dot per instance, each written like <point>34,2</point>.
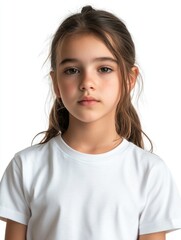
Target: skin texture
<point>153,236</point>
<point>87,76</point>
<point>15,231</point>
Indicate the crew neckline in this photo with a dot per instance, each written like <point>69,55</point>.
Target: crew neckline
<point>86,157</point>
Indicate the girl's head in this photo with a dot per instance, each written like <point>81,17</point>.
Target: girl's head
<point>114,34</point>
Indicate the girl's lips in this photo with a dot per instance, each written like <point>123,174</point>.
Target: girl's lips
<point>88,98</point>
<point>88,101</point>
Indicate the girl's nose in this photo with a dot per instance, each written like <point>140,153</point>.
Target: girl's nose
<point>87,83</point>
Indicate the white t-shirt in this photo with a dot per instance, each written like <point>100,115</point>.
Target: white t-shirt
<point>62,194</point>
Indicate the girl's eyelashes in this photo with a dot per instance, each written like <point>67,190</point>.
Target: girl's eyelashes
<point>75,70</point>
<point>105,70</point>
<point>71,71</point>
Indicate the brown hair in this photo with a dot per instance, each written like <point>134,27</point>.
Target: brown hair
<point>113,32</point>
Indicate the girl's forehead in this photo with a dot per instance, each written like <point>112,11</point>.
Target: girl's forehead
<point>80,36</point>
<point>83,45</point>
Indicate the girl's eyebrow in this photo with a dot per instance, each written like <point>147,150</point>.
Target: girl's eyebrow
<point>99,59</point>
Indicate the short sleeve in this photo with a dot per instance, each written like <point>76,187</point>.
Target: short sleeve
<point>13,204</point>
<point>162,209</point>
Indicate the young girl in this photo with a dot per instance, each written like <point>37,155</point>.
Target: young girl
<point>90,177</point>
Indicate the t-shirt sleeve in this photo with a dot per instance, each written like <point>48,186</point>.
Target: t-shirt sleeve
<point>162,209</point>
<point>13,204</point>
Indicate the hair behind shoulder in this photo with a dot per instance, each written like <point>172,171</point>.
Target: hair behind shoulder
<point>114,33</point>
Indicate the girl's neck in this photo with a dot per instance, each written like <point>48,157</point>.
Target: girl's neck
<point>91,138</point>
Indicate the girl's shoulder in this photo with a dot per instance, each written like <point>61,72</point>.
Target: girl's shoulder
<point>35,153</point>
<point>39,148</point>
<point>145,158</point>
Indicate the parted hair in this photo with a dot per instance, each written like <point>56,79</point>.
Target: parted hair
<point>115,35</point>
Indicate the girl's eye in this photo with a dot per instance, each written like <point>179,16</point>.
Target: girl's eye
<point>71,71</point>
<point>105,70</point>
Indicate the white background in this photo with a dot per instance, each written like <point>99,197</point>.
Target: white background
<point>26,28</point>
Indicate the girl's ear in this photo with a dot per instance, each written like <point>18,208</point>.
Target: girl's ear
<point>132,77</point>
<point>55,84</point>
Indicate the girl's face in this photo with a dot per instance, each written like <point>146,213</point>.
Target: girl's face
<point>87,79</point>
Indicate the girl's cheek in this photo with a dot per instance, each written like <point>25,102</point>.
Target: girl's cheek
<point>69,88</point>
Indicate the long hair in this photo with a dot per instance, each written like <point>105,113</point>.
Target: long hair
<point>115,35</point>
